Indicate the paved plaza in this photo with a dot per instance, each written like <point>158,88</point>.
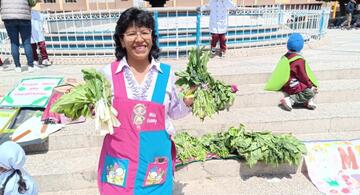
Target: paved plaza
<point>68,166</point>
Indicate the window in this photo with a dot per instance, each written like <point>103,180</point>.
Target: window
<point>70,1</point>
<point>49,1</point>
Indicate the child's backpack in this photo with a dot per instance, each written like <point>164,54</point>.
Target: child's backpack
<point>281,74</point>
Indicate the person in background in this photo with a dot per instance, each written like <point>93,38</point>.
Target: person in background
<point>38,38</point>
<point>13,178</point>
<point>294,77</point>
<point>218,22</point>
<point>350,9</point>
<point>16,15</point>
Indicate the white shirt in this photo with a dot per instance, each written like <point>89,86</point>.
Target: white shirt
<point>218,15</point>
<point>175,107</point>
<point>37,33</point>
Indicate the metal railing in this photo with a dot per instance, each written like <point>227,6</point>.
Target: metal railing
<point>90,33</point>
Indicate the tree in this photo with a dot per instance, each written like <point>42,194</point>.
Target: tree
<point>157,3</point>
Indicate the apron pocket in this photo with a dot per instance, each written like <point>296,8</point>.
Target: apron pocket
<point>156,172</point>
<point>115,171</point>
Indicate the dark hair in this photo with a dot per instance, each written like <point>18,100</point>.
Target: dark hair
<point>22,185</point>
<point>139,18</point>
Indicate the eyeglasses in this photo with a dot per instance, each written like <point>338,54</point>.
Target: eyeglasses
<point>132,35</point>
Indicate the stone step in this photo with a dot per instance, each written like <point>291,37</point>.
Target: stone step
<point>243,77</point>
<point>280,185</point>
<point>88,191</point>
<point>331,91</point>
<point>329,117</point>
<point>75,169</point>
<point>294,185</point>
<point>74,172</point>
<point>72,169</point>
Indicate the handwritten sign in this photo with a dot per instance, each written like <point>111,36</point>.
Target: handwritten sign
<point>333,166</point>
<point>31,92</point>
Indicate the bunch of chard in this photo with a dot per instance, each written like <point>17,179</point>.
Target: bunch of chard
<point>224,95</point>
<point>266,147</point>
<point>189,148</point>
<point>210,95</point>
<point>92,96</point>
<point>251,146</point>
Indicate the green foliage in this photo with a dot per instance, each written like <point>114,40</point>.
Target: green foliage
<point>252,146</point>
<point>211,95</point>
<point>204,104</point>
<point>82,97</point>
<point>189,148</point>
<point>223,96</point>
<point>215,144</point>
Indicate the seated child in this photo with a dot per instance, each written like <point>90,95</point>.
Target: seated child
<point>13,178</point>
<point>294,77</point>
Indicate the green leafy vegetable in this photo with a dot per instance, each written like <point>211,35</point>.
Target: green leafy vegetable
<point>189,148</point>
<point>211,95</point>
<point>95,94</point>
<point>252,146</point>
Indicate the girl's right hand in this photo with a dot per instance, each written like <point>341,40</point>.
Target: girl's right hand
<point>189,99</point>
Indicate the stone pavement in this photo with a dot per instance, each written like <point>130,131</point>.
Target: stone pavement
<point>68,166</point>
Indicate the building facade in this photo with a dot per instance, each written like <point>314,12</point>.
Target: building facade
<point>87,5</point>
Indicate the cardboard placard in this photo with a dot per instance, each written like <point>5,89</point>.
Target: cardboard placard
<point>6,116</point>
<point>333,166</point>
<point>31,92</point>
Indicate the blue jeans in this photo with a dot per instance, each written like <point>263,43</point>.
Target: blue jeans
<point>22,27</point>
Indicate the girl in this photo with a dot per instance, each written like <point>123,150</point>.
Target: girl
<point>145,98</point>
<point>13,179</point>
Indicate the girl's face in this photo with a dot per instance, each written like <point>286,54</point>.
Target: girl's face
<point>138,42</point>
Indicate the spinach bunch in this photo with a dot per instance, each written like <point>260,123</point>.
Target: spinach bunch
<point>215,144</point>
<point>223,95</point>
<point>252,146</point>
<point>266,147</point>
<point>93,95</point>
<point>211,95</point>
<point>189,148</point>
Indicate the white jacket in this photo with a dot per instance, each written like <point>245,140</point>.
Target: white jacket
<point>218,14</point>
<point>37,22</point>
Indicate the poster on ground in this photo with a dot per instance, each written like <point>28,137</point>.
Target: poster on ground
<point>31,92</point>
<point>34,129</point>
<point>6,116</point>
<point>333,166</point>
<point>28,128</point>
